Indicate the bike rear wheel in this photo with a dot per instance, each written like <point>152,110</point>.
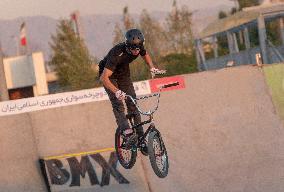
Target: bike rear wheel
<point>126,156</point>
<point>158,154</point>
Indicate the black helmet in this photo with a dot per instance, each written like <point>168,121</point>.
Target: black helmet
<point>134,38</point>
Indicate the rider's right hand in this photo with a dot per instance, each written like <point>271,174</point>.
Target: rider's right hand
<point>120,95</point>
<point>154,71</point>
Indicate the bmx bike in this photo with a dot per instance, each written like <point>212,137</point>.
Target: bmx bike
<point>156,148</point>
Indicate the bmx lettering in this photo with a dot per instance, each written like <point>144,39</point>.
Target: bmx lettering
<point>59,175</point>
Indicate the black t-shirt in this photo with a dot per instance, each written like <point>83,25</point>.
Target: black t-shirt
<point>117,60</point>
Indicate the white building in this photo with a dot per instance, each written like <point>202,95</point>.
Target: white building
<point>25,76</point>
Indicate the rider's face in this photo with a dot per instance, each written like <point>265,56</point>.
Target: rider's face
<point>135,51</point>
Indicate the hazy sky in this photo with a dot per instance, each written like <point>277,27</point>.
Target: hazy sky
<point>10,9</point>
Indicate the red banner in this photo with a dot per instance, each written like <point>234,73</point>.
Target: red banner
<point>155,84</point>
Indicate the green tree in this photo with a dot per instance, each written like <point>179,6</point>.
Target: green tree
<point>247,3</point>
<point>222,14</point>
<point>154,35</point>
<point>178,30</point>
<point>274,32</point>
<point>128,23</point>
<point>127,20</point>
<point>234,10</point>
<point>176,64</point>
<point>186,30</point>
<point>71,59</point>
<point>118,35</point>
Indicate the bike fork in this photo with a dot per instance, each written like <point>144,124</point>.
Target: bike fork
<point>150,128</point>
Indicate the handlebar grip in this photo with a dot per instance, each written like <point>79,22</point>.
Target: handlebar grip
<point>170,85</point>
<point>147,96</point>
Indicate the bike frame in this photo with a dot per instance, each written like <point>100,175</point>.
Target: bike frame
<point>149,113</point>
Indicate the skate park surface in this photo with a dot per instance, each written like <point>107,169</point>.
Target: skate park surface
<point>223,133</point>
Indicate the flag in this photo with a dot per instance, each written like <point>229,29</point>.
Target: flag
<point>76,24</point>
<point>23,35</point>
<point>74,17</point>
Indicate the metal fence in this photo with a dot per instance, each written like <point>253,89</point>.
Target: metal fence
<point>246,57</point>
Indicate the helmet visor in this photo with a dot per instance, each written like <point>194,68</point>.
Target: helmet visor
<point>135,47</point>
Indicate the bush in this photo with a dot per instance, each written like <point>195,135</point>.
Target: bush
<point>139,70</point>
<point>176,64</point>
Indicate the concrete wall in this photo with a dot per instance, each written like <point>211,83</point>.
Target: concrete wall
<point>40,87</point>
<point>275,79</point>
<point>19,156</point>
<point>222,134</point>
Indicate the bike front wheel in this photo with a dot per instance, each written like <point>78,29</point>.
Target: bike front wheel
<point>126,156</point>
<point>158,154</point>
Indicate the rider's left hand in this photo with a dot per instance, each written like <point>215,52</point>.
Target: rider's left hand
<point>120,95</point>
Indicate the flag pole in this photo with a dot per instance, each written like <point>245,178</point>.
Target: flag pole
<point>23,38</point>
<point>17,44</point>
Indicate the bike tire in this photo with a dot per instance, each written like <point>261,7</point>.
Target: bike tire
<point>157,151</point>
<point>129,162</point>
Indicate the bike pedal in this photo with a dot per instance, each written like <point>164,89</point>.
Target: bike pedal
<point>143,149</point>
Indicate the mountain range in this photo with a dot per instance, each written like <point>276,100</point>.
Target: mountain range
<point>97,30</point>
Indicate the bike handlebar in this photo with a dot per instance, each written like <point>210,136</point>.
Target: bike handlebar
<point>150,112</point>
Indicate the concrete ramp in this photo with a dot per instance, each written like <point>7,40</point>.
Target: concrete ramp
<point>275,79</point>
<point>19,156</point>
<point>223,133</point>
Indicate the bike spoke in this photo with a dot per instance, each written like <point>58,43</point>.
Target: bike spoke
<point>159,155</point>
<point>124,153</point>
